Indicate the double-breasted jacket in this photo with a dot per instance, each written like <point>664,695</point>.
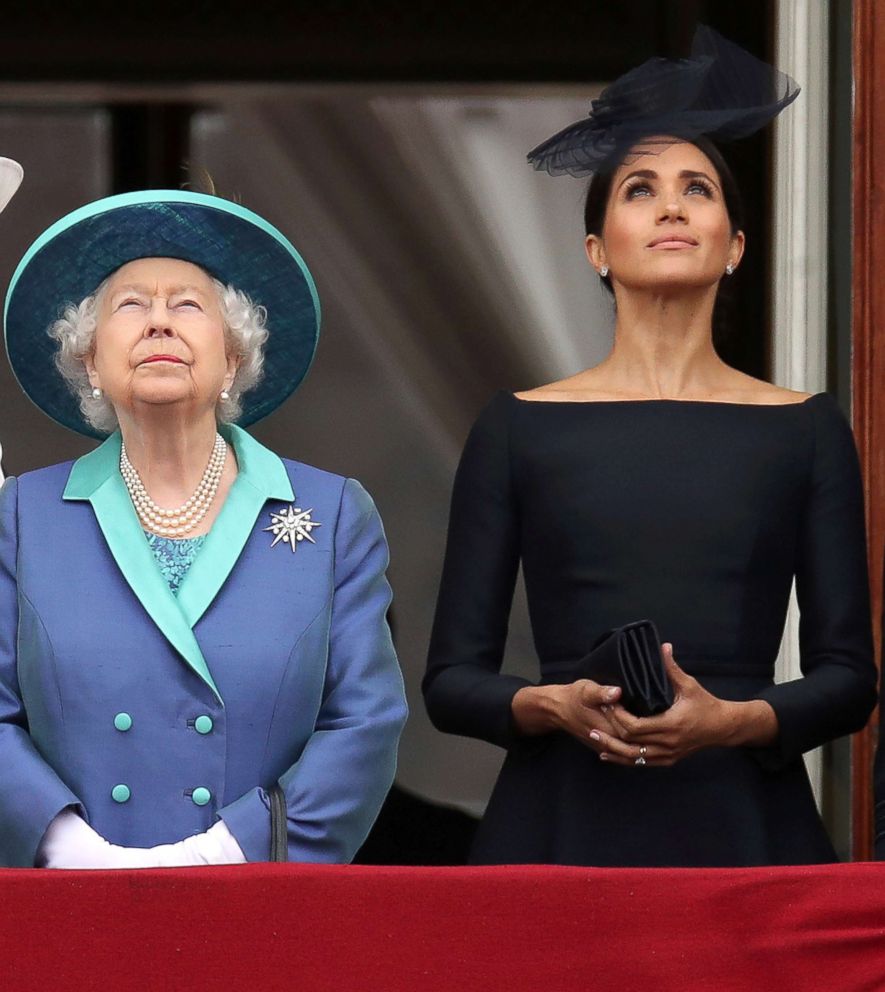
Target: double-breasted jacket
<point>154,714</point>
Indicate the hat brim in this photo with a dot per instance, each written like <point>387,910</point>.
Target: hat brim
<point>72,257</point>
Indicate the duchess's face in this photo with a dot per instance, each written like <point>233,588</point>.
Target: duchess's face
<point>160,338</point>
<point>666,224</point>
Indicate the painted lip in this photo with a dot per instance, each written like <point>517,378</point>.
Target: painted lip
<point>163,358</point>
<point>673,241</point>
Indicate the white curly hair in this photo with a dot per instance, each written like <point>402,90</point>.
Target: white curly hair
<point>245,335</point>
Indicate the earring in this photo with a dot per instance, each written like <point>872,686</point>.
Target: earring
<point>603,272</point>
<point>224,395</point>
<point>729,269</point>
<point>96,393</point>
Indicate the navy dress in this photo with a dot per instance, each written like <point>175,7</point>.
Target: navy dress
<point>696,515</point>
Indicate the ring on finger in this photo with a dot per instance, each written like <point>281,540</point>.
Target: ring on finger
<point>643,751</point>
<point>640,761</point>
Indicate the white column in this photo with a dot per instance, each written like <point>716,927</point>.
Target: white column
<point>800,237</point>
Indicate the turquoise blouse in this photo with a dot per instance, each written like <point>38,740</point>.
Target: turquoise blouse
<point>174,556</point>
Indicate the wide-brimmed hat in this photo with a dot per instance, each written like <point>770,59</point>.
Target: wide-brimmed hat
<point>72,257</point>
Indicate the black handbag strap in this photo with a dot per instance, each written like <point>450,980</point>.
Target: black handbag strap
<point>279,834</point>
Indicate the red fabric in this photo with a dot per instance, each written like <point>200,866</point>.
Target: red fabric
<point>313,928</point>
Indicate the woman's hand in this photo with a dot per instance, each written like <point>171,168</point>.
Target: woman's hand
<point>70,842</point>
<point>697,719</point>
<point>580,708</point>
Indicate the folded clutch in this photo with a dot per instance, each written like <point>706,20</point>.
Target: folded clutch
<point>630,657</point>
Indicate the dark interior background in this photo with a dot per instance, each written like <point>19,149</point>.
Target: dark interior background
<point>169,44</point>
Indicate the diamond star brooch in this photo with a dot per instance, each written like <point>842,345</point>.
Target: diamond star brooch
<point>291,526</point>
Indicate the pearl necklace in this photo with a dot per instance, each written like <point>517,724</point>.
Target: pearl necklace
<point>175,523</point>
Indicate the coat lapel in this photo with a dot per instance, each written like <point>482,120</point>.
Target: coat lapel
<point>95,477</point>
<point>261,476</point>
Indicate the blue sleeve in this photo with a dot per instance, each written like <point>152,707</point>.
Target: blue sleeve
<point>335,789</point>
<point>31,793</point>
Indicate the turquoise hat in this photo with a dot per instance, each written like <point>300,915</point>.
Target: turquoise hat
<point>72,257</point>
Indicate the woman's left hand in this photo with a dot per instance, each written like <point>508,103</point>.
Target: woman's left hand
<point>697,719</point>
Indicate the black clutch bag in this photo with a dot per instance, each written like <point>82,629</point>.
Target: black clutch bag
<point>630,657</point>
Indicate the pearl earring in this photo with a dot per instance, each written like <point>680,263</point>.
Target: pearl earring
<point>224,394</point>
<point>603,272</point>
<point>96,393</point>
<point>729,269</point>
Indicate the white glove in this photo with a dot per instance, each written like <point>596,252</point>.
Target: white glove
<point>11,174</point>
<point>217,846</point>
<point>69,842</point>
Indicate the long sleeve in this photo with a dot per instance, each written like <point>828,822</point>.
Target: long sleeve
<point>335,788</point>
<point>464,691</point>
<point>31,793</point>
<point>838,691</point>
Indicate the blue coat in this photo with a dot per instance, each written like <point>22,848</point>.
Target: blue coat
<point>155,715</point>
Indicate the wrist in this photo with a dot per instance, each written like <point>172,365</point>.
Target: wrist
<point>536,709</point>
<point>751,723</point>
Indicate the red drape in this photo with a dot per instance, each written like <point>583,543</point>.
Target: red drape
<point>315,928</point>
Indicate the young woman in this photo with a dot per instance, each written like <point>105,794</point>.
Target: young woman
<point>660,484</point>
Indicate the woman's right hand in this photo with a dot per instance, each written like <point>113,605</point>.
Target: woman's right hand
<point>69,842</point>
<point>578,708</point>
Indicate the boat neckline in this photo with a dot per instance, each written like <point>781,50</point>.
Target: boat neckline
<point>761,406</point>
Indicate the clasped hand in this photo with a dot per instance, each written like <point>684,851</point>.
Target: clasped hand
<point>69,842</point>
<point>696,719</point>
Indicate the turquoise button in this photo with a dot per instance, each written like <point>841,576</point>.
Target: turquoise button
<point>203,725</point>
<point>123,721</point>
<point>120,793</point>
<point>201,796</point>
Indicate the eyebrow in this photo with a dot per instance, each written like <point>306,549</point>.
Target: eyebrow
<point>145,290</point>
<point>684,174</point>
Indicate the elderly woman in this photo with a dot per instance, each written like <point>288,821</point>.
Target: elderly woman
<point>660,484</point>
<point>194,628</point>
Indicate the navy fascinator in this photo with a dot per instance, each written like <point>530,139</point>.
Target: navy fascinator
<point>720,91</point>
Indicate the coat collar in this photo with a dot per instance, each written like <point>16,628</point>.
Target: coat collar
<point>261,476</point>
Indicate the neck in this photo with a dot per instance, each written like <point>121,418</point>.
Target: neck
<point>170,454</point>
<point>663,345</point>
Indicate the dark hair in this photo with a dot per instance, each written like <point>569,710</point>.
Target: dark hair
<point>596,204</point>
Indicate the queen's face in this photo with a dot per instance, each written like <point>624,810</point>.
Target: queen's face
<point>160,338</point>
<point>666,224</point>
